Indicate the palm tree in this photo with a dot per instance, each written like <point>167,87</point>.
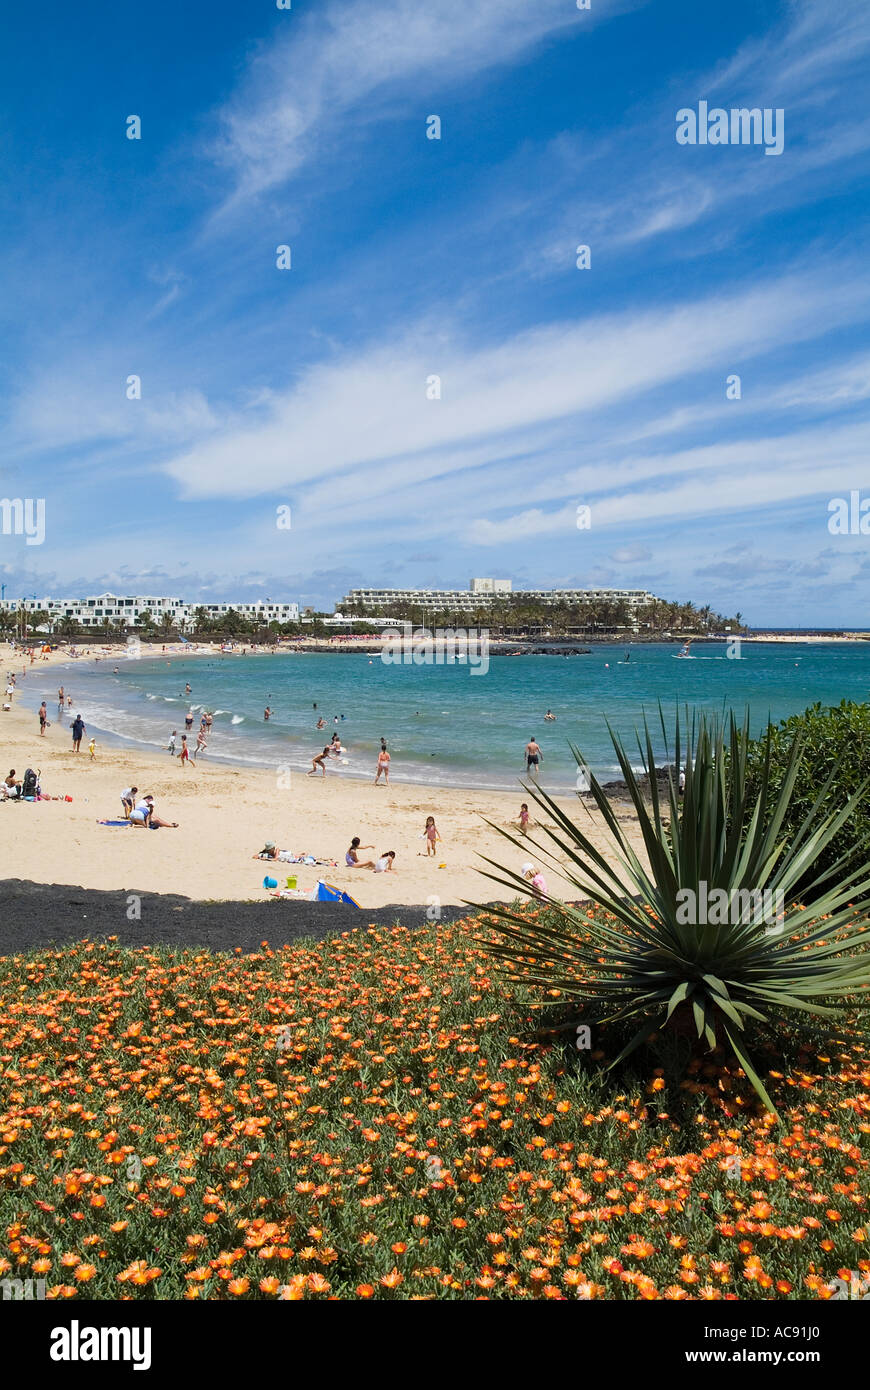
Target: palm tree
<point>40,617</point>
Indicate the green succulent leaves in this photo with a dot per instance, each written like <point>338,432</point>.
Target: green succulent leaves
<point>646,957</point>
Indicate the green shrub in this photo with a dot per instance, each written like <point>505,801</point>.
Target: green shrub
<point>835,750</point>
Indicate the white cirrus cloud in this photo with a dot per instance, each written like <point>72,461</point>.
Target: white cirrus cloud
<point>360,411</point>
<point>336,70</point>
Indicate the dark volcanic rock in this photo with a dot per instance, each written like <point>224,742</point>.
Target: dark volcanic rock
<point>35,915</point>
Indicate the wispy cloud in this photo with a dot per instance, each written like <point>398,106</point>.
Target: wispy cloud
<point>336,71</point>
<point>372,408</point>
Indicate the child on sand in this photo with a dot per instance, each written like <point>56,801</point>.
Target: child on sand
<point>172,738</point>
<point>386,862</point>
<point>92,748</point>
<point>539,883</point>
<point>432,836</point>
<point>524,818</point>
<point>184,755</point>
<point>352,859</point>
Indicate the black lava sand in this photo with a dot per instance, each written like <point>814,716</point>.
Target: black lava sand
<point>34,915</point>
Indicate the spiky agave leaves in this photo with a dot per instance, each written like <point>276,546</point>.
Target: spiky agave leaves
<point>652,955</point>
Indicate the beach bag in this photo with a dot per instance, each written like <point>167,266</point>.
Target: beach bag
<point>30,785</point>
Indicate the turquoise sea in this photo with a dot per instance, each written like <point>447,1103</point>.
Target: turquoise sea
<point>444,725</point>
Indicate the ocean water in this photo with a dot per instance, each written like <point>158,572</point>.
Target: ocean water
<point>443,724</point>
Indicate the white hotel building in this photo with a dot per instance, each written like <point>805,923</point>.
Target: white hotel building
<point>102,608</point>
<point>486,591</point>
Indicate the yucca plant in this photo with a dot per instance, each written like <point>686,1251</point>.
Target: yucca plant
<point>654,954</point>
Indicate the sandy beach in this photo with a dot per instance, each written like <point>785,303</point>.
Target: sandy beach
<point>226,814</point>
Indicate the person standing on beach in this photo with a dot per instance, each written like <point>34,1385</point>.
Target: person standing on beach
<point>172,738</point>
<point>43,719</point>
<point>383,765</point>
<point>201,744</point>
<point>188,720</point>
<point>128,800</point>
<point>534,756</point>
<point>319,762</point>
<point>184,755</point>
<point>92,749</point>
<point>78,729</point>
<point>524,818</point>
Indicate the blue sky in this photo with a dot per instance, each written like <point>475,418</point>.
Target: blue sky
<point>454,257</point>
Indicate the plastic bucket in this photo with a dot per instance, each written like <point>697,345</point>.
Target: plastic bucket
<point>291,881</point>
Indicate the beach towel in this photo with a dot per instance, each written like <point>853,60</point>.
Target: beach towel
<point>113,822</point>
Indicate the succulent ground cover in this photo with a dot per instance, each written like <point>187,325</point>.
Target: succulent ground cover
<point>383,1115</point>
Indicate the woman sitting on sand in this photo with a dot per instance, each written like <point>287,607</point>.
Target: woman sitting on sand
<point>352,859</point>
<point>11,785</point>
